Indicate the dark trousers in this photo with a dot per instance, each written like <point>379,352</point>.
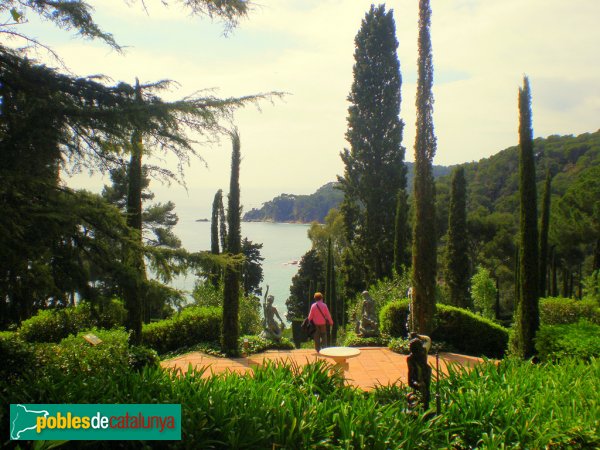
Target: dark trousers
<point>320,337</point>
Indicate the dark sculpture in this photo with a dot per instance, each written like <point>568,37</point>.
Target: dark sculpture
<point>368,326</point>
<point>419,371</point>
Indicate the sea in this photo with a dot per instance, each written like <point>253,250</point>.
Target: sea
<point>283,247</point>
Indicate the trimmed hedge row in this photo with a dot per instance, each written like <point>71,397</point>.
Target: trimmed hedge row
<point>191,326</point>
<point>559,310</point>
<point>468,333</point>
<point>53,325</point>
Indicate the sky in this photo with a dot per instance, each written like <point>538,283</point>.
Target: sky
<point>481,51</point>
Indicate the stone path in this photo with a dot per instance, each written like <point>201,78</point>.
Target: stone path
<point>374,366</point>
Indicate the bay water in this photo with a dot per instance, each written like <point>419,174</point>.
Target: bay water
<point>283,247</point>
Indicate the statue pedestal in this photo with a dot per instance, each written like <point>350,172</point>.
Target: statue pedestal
<point>340,355</point>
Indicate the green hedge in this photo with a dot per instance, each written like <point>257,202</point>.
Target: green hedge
<point>470,333</point>
<point>190,327</point>
<point>392,318</point>
<point>559,310</point>
<point>352,340</point>
<point>579,340</point>
<point>53,325</point>
<point>458,328</point>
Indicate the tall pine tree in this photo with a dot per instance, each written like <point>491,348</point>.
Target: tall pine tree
<point>458,274</point>
<point>231,294</point>
<point>374,164</point>
<point>424,242</point>
<point>528,317</point>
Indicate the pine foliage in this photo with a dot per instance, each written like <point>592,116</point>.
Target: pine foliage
<point>374,165</point>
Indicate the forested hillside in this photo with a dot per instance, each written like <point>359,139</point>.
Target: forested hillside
<point>573,163</point>
<point>492,182</point>
<point>298,208</point>
<point>314,207</point>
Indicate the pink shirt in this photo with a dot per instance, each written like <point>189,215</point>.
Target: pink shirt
<point>320,314</point>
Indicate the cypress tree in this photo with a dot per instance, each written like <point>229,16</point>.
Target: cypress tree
<point>231,298</point>
<point>222,226</point>
<point>374,164</point>
<point>214,234</point>
<point>544,230</point>
<point>424,241</point>
<point>214,223</point>
<point>528,318</point>
<point>457,252</point>
<point>401,233</point>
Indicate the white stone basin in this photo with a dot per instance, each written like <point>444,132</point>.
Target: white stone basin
<point>340,354</point>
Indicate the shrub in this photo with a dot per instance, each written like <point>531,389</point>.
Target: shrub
<point>483,291</point>
<point>193,325</point>
<point>109,314</point>
<point>205,294</point>
<point>469,333</point>
<point>257,344</point>
<point>401,345</point>
<point>250,317</point>
<point>558,310</point>
<point>74,355</point>
<point>17,355</point>
<point>580,340</point>
<point>352,340</point>
<point>393,318</point>
<point>382,292</point>
<point>53,325</point>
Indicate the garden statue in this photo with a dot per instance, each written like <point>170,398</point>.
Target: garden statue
<point>368,326</point>
<point>419,371</point>
<point>272,330</point>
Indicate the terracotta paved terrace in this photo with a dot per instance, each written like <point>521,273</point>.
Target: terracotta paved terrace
<point>374,366</point>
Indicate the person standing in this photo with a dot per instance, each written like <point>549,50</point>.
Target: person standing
<point>319,314</point>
